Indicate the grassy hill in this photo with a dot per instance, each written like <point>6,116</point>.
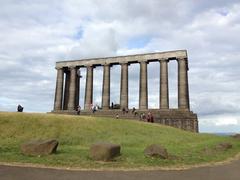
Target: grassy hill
<point>77,133</point>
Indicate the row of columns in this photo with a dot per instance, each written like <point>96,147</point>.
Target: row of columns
<point>72,82</point>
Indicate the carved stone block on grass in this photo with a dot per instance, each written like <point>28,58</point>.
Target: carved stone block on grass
<point>104,151</point>
<point>156,150</point>
<point>236,136</point>
<point>223,146</point>
<point>39,147</point>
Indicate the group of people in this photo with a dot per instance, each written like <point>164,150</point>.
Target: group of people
<point>134,111</point>
<point>143,117</point>
<point>124,110</point>
<point>94,108</point>
<point>148,118</point>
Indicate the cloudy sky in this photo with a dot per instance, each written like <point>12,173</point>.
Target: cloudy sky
<point>34,34</point>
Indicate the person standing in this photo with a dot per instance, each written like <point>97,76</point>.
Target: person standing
<point>78,110</point>
<point>123,110</point>
<point>151,118</point>
<point>133,110</point>
<point>19,108</point>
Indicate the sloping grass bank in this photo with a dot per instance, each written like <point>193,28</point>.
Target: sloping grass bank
<point>77,133</point>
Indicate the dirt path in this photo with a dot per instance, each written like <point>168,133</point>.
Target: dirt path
<point>229,171</point>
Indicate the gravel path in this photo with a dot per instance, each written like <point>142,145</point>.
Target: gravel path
<point>229,171</point>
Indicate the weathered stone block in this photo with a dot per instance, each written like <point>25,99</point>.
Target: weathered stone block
<point>156,150</point>
<point>236,136</point>
<point>39,147</point>
<point>104,151</point>
<point>223,146</point>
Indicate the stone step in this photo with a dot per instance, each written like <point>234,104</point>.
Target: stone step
<point>186,120</point>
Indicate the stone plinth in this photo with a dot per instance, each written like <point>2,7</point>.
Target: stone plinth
<point>181,119</point>
<point>156,150</point>
<point>35,148</point>
<point>104,151</point>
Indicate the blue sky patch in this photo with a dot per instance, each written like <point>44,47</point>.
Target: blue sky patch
<point>138,42</point>
<point>78,35</point>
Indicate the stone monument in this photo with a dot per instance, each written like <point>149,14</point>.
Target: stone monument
<point>68,83</point>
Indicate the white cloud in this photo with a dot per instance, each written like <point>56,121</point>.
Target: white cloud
<point>98,40</point>
<point>36,34</point>
<point>220,123</point>
<point>227,121</point>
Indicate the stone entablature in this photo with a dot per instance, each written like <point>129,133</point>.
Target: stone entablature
<point>169,55</point>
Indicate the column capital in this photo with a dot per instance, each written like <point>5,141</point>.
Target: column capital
<point>58,68</point>
<point>182,59</point>
<point>106,64</point>
<point>124,62</point>
<point>142,62</point>
<point>185,59</point>
<point>72,67</point>
<point>89,66</point>
<point>163,60</point>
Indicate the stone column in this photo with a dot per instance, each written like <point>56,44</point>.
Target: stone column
<point>77,88</point>
<point>106,87</point>
<point>164,94</point>
<point>59,90</point>
<point>66,89</point>
<point>143,86</point>
<point>72,89</point>
<point>89,88</point>
<point>183,95</point>
<point>124,86</point>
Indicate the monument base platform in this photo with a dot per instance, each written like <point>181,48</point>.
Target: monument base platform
<point>182,119</point>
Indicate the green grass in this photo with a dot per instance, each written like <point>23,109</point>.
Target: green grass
<point>77,133</point>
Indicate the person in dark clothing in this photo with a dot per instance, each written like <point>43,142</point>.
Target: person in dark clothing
<point>78,110</point>
<point>133,110</point>
<point>135,113</point>
<point>19,108</point>
<point>151,118</point>
<point>123,110</point>
<point>148,117</point>
<point>143,116</point>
